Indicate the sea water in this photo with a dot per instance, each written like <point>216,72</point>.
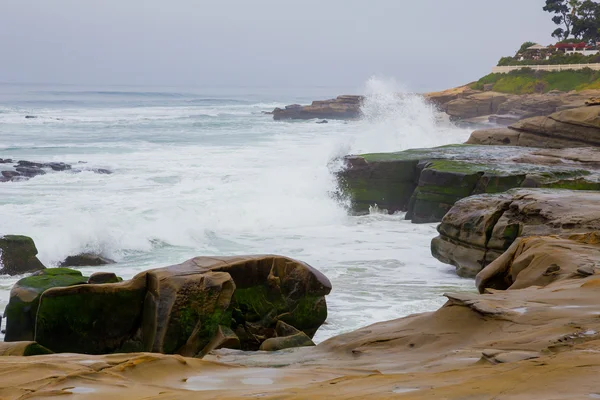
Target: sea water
<point>200,172</point>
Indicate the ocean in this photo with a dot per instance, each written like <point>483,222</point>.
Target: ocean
<point>203,171</point>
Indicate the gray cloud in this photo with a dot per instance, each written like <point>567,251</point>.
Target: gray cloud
<point>426,44</point>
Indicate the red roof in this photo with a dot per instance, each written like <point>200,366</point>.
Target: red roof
<point>581,45</point>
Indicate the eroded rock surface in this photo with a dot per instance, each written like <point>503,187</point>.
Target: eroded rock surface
<point>577,127</point>
<point>189,309</point>
<point>531,342</point>
<point>479,229</point>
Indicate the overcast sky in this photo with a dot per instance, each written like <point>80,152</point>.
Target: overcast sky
<point>426,44</point>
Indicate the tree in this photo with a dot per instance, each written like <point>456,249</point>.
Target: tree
<point>525,46</point>
<point>587,24</point>
<point>566,14</point>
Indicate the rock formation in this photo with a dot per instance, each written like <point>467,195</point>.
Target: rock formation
<point>188,309</point>
<point>578,127</point>
<point>479,229</point>
<point>427,182</point>
<point>23,170</point>
<point>342,107</point>
<point>539,340</point>
<point>18,255</point>
<point>86,260</point>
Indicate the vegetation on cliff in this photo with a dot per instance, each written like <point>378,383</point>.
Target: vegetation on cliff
<point>527,81</point>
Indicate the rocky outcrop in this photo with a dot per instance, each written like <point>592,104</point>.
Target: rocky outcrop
<point>23,349</point>
<point>427,182</point>
<point>479,229</point>
<point>538,341</point>
<point>23,170</point>
<point>475,105</point>
<point>18,255</point>
<point>188,309</point>
<point>577,127</point>
<point>342,107</point>
<point>86,260</point>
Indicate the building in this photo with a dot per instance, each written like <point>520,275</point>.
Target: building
<point>576,48</point>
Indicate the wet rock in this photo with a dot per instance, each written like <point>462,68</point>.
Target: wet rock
<point>30,172</point>
<point>30,116</point>
<point>188,309</point>
<point>18,255</point>
<point>102,171</point>
<point>286,342</point>
<point>86,260</point>
<point>426,183</point>
<point>342,107</point>
<point>24,300</point>
<point>103,277</point>
<point>323,122</point>
<point>59,166</point>
<point>6,161</point>
<point>10,174</point>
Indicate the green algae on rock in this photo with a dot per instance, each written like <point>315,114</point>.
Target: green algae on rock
<point>190,309</point>
<point>18,255</point>
<point>25,295</point>
<point>426,183</point>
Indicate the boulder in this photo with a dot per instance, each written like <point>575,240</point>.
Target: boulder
<point>286,342</point>
<point>103,277</point>
<point>190,309</point>
<point>479,229</point>
<point>18,255</point>
<point>86,260</point>
<point>25,296</point>
<point>343,107</point>
<point>540,261</point>
<point>576,127</point>
<point>92,319</point>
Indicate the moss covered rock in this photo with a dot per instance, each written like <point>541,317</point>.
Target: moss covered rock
<point>426,183</point>
<point>92,319</point>
<point>18,255</point>
<point>25,296</point>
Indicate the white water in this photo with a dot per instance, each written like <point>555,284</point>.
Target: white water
<point>216,177</point>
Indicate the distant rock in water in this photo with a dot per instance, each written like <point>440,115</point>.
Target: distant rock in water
<point>86,260</point>
<point>23,169</point>
<point>323,122</point>
<point>342,107</point>
<point>18,255</point>
<point>30,116</point>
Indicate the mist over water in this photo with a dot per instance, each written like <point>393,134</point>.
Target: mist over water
<point>197,174</point>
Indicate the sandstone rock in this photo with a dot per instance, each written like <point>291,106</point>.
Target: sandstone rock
<point>577,127</point>
<point>342,107</point>
<point>540,261</point>
<point>189,309</point>
<point>477,230</point>
<point>103,277</point>
<point>286,342</point>
<point>86,260</point>
<point>18,255</point>
<point>476,105</point>
<point>25,349</point>
<point>25,297</point>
